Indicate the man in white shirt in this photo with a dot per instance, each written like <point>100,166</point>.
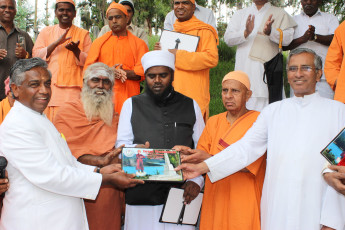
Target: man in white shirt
<point>253,31</point>
<point>293,131</point>
<point>159,118</point>
<point>315,30</point>
<point>203,14</point>
<point>47,182</point>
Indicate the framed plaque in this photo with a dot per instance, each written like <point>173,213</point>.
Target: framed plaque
<point>175,40</point>
<point>334,152</point>
<point>152,164</point>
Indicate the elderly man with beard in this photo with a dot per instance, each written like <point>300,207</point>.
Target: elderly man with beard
<point>89,125</point>
<point>160,118</point>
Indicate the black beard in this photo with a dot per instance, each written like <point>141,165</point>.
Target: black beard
<point>162,98</point>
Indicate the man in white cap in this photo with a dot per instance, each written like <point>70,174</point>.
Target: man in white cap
<point>135,30</point>
<point>234,202</point>
<point>158,118</point>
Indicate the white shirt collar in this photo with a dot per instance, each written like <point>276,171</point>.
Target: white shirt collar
<point>21,106</point>
<point>267,5</point>
<point>318,12</point>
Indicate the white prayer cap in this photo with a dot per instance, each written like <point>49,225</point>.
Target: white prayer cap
<point>158,58</point>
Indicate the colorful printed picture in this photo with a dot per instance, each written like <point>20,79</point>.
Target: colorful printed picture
<point>152,164</point>
<point>335,151</point>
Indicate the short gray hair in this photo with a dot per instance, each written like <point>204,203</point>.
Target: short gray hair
<point>317,58</point>
<point>17,72</point>
<point>99,69</point>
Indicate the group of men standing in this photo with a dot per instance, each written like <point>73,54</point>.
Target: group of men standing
<point>90,93</point>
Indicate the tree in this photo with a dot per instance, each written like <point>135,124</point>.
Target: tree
<point>24,17</point>
<point>93,13</point>
<point>151,13</point>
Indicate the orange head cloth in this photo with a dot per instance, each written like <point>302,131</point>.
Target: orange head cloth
<point>240,76</point>
<point>193,1</point>
<point>68,1</point>
<point>115,5</point>
<point>7,85</point>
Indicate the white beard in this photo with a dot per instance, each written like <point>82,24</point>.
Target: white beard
<point>98,105</point>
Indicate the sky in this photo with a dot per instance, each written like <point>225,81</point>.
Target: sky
<point>42,3</point>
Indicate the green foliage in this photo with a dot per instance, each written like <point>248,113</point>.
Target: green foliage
<point>152,41</point>
<point>174,159</point>
<point>225,65</point>
<point>151,13</point>
<point>24,17</point>
<point>98,13</point>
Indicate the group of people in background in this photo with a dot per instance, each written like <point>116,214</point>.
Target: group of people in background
<point>70,104</point>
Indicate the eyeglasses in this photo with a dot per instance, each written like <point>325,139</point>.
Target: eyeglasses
<point>303,68</point>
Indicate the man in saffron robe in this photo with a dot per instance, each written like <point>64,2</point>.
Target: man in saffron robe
<point>140,162</point>
<point>89,125</point>
<point>64,47</point>
<point>335,64</point>
<point>192,69</point>
<point>120,48</point>
<point>234,202</point>
<point>7,103</point>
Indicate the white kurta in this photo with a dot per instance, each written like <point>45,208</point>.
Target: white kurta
<point>333,210</point>
<point>293,131</point>
<point>46,181</point>
<point>147,216</point>
<point>234,36</point>
<point>325,24</point>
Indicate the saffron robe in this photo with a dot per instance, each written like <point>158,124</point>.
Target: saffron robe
<point>95,138</point>
<point>4,109</point>
<point>293,131</point>
<point>192,69</point>
<point>335,64</point>
<point>233,202</point>
<point>66,69</point>
<point>126,50</point>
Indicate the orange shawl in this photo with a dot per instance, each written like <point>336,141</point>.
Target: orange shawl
<point>233,202</point>
<point>69,73</point>
<point>5,108</point>
<point>95,49</point>
<point>83,136</point>
<point>194,24</point>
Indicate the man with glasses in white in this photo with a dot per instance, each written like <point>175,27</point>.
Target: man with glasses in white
<point>293,131</point>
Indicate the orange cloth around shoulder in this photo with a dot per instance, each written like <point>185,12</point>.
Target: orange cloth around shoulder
<point>96,138</point>
<point>335,64</point>
<point>192,69</point>
<point>233,202</point>
<point>83,136</point>
<point>128,51</point>
<point>5,108</point>
<point>70,74</point>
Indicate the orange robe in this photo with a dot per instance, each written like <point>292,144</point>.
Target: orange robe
<point>96,138</point>
<point>233,202</point>
<point>335,64</point>
<point>192,73</point>
<point>4,109</point>
<point>128,51</point>
<point>66,69</point>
